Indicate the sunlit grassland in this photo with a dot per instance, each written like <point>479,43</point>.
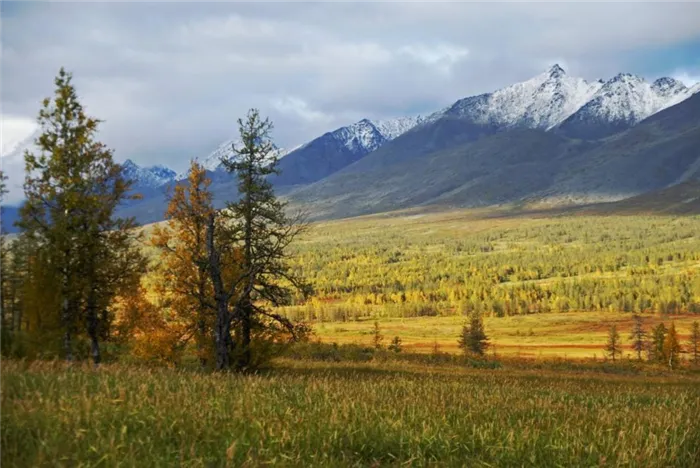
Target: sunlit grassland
<point>568,335</point>
<point>345,414</point>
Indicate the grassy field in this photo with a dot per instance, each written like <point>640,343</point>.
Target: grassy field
<point>567,335</point>
<point>345,414</point>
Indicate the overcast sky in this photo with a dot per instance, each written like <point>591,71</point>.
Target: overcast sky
<point>170,79</point>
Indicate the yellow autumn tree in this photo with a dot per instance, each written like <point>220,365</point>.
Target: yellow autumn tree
<point>147,333</point>
<point>672,347</point>
<point>184,282</point>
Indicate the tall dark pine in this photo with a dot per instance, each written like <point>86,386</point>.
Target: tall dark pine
<point>473,338</point>
<point>258,224</point>
<point>72,188</point>
<point>638,336</point>
<point>5,319</point>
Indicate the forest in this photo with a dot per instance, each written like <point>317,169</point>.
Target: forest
<point>459,262</point>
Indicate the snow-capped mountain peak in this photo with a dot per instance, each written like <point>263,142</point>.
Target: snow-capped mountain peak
<point>628,99</point>
<point>367,135</point>
<point>540,102</point>
<point>153,176</point>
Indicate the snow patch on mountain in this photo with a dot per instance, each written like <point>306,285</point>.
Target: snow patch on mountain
<point>212,161</point>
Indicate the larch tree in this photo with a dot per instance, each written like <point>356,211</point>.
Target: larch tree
<point>694,342</point>
<point>183,267</point>
<point>258,225</point>
<point>72,189</point>
<point>656,346</point>
<point>613,347</point>
<point>638,336</point>
<point>672,347</point>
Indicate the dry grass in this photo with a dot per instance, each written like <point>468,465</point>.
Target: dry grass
<point>569,335</point>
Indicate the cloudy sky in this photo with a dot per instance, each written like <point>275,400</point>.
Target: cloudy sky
<point>170,78</point>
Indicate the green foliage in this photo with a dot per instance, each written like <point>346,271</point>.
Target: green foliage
<point>638,336</point>
<point>613,348</point>
<point>656,347</point>
<point>72,188</point>
<point>257,229</point>
<point>473,339</point>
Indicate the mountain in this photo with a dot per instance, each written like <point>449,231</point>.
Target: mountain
<point>621,103</point>
<point>541,102</point>
<point>512,165</point>
<point>147,177</point>
<point>335,150</point>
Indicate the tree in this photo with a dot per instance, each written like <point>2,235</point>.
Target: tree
<point>656,347</point>
<point>395,345</point>
<point>72,189</point>
<point>613,346</point>
<point>473,338</point>
<point>5,315</point>
<point>184,277</point>
<point>638,336</point>
<point>377,336</point>
<point>259,227</point>
<point>694,342</point>
<point>672,347</point>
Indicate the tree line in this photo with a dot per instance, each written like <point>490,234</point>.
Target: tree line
<point>73,280</point>
<point>661,345</point>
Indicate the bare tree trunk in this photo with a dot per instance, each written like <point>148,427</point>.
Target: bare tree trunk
<point>246,308</point>
<point>246,329</point>
<point>223,322</point>
<point>201,328</point>
<point>67,343</point>
<point>93,324</point>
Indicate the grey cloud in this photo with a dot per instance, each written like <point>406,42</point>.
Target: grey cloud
<point>169,79</point>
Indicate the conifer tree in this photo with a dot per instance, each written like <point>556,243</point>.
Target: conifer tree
<point>656,347</point>
<point>72,189</point>
<point>613,346</point>
<point>638,336</point>
<point>377,337</point>
<point>6,323</point>
<point>473,338</point>
<point>259,227</point>
<point>395,345</point>
<point>672,347</point>
<point>694,342</point>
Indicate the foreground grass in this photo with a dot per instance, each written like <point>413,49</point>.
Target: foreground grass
<point>345,414</point>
